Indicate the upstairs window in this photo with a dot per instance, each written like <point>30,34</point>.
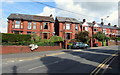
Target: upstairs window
<point>41,27</point>
<point>67,26</point>
<point>76,27</point>
<point>85,28</point>
<point>104,30</point>
<point>29,25</point>
<point>95,29</point>
<point>17,24</point>
<point>34,25</point>
<point>45,25</point>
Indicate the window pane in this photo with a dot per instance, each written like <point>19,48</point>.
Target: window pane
<point>76,27</point>
<point>17,22</point>
<point>34,26</point>
<point>86,28</point>
<point>29,25</point>
<point>68,26</point>
<point>28,32</point>
<point>41,27</point>
<point>34,23</point>
<point>45,25</point>
<point>17,26</point>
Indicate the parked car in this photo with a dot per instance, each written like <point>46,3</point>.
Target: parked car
<point>79,45</point>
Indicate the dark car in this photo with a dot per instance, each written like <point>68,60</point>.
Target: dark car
<point>79,45</point>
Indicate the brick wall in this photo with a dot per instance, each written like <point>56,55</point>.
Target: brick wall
<point>24,49</point>
<point>110,43</point>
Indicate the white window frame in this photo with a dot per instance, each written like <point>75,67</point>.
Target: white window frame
<point>67,26</point>
<point>29,25</point>
<point>34,25</point>
<point>45,24</point>
<point>104,30</point>
<point>17,25</point>
<point>76,26</point>
<point>96,29</point>
<point>86,28</point>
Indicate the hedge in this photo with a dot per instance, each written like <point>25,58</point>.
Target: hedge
<point>6,37</point>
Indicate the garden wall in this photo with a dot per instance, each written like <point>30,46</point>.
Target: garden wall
<point>25,49</point>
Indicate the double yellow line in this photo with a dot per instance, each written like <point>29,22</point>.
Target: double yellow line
<point>100,66</point>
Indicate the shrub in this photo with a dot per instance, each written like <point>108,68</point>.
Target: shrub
<point>56,39</point>
<point>6,37</point>
<point>15,39</point>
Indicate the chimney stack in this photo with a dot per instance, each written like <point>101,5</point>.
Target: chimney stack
<point>94,22</point>
<point>51,16</point>
<point>84,20</point>
<point>102,23</point>
<point>109,24</point>
<point>115,25</point>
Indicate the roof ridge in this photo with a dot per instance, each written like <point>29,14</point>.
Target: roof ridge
<point>29,15</point>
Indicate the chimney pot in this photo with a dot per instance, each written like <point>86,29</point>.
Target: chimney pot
<point>102,23</point>
<point>94,22</point>
<point>51,16</point>
<point>115,25</point>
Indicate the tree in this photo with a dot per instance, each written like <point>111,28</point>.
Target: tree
<point>83,36</point>
<point>56,39</point>
<point>100,37</point>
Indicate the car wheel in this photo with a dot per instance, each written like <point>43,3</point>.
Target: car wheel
<point>77,47</point>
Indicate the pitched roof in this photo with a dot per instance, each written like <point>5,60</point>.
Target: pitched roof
<point>107,26</point>
<point>30,17</point>
<point>66,19</point>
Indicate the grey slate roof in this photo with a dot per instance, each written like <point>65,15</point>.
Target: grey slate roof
<point>30,17</point>
<point>66,19</point>
<point>107,26</point>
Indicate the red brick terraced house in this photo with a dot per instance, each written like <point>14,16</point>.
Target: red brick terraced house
<point>27,24</point>
<point>107,29</point>
<point>67,27</point>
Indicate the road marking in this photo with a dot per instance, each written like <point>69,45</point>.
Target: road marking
<point>20,60</point>
<point>55,54</point>
<point>45,65</point>
<point>100,66</point>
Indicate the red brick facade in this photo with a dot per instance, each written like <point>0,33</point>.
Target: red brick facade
<point>45,27</point>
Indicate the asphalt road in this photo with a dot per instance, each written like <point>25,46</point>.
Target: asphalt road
<point>70,61</point>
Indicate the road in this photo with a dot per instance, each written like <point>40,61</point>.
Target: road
<point>91,61</point>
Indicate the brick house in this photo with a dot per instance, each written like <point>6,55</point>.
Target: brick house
<point>67,27</point>
<point>43,26</point>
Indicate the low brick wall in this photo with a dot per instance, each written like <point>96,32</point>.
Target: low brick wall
<point>110,43</point>
<point>24,49</point>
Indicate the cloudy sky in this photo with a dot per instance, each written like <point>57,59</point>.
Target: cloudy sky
<point>91,10</point>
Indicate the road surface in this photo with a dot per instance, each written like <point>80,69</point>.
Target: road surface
<point>91,61</point>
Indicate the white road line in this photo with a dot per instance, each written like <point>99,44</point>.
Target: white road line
<point>20,60</point>
<point>45,65</point>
